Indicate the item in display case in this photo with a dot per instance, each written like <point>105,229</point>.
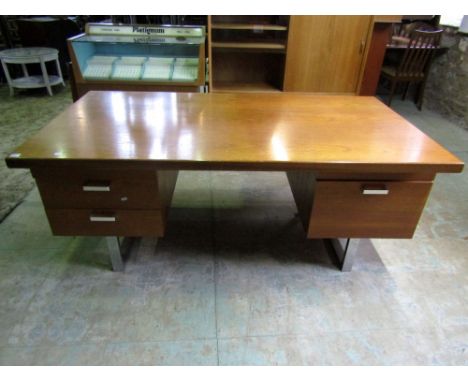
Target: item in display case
<point>185,69</point>
<point>99,67</point>
<point>186,61</point>
<point>158,68</point>
<point>126,71</point>
<point>185,73</point>
<point>132,60</point>
<point>128,68</point>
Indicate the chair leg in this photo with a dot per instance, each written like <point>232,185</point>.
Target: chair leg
<point>419,102</point>
<point>392,92</point>
<point>405,92</point>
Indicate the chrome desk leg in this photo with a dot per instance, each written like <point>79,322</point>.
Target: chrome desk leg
<point>117,250</point>
<point>344,250</point>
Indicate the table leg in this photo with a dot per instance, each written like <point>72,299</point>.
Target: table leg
<point>118,250</point>
<point>8,78</point>
<point>344,250</point>
<point>46,78</point>
<point>25,70</point>
<point>59,71</point>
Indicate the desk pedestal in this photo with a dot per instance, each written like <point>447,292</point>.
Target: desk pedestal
<point>134,202</point>
<point>108,201</point>
<point>358,206</point>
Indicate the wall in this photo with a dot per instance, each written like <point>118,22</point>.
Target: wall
<point>447,85</point>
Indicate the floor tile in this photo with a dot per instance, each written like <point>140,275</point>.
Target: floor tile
<point>167,297</point>
<point>27,228</point>
<point>446,211</point>
<point>273,300</point>
<point>234,190</point>
<point>164,353</point>
<point>380,347</point>
<point>17,356</point>
<point>192,190</point>
<point>23,273</point>
<point>437,127</point>
<point>421,254</point>
<point>455,348</point>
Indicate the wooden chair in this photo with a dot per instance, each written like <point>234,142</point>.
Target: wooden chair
<point>415,63</point>
<point>405,30</point>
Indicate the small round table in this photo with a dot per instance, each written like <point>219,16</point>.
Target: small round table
<point>25,56</point>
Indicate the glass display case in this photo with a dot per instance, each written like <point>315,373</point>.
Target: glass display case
<point>138,57</point>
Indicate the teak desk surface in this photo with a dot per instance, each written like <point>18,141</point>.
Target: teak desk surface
<point>108,164</point>
<point>246,131</point>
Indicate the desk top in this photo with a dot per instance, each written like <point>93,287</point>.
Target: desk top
<point>230,131</point>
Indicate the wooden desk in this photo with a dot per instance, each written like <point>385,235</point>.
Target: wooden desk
<point>108,164</point>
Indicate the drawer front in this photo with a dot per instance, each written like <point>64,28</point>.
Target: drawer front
<point>367,209</point>
<point>103,189</point>
<point>89,222</point>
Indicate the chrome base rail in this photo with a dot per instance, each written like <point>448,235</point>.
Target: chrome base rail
<point>119,250</point>
<point>344,250</point>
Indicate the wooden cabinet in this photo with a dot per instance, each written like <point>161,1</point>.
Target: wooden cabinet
<point>347,206</point>
<point>97,222</point>
<point>247,53</point>
<point>111,202</point>
<point>367,208</point>
<point>325,53</point>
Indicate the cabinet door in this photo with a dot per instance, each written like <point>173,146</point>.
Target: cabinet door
<point>325,53</point>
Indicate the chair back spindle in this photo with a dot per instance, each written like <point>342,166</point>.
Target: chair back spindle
<point>415,63</point>
<point>418,54</point>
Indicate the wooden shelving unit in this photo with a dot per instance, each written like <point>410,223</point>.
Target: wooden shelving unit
<point>269,27</point>
<point>245,87</point>
<point>247,53</point>
<point>249,45</point>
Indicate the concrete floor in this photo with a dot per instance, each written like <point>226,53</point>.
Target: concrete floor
<point>235,282</point>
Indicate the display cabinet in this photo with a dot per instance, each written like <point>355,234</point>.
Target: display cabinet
<point>138,57</point>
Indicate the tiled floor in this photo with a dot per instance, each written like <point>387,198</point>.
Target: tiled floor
<point>235,282</point>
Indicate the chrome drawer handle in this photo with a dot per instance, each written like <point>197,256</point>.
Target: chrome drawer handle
<point>375,191</point>
<point>97,218</point>
<point>97,187</point>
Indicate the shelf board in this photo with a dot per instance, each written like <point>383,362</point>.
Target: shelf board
<point>266,27</point>
<point>36,81</point>
<point>142,83</point>
<point>249,45</point>
<point>246,87</point>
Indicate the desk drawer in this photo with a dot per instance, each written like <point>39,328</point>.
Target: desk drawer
<point>88,222</point>
<point>103,189</point>
<point>367,209</point>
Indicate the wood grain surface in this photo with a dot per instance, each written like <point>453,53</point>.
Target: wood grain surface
<point>278,131</point>
<point>340,209</point>
<point>72,222</point>
<point>325,53</point>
